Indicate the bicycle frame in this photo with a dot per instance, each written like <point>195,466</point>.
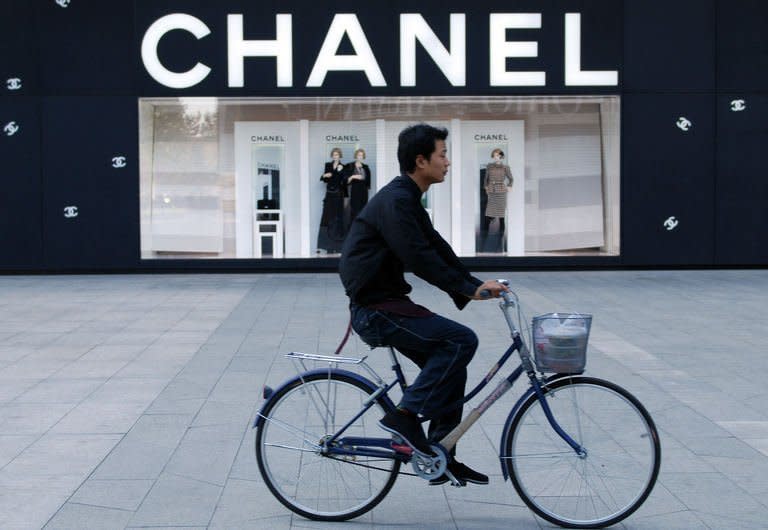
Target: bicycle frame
<point>335,445</point>
<point>509,300</point>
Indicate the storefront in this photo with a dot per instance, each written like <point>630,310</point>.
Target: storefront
<point>241,135</point>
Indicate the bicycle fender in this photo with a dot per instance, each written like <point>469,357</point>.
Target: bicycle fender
<point>385,401</point>
<point>507,424</point>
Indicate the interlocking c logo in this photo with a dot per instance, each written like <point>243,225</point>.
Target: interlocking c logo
<point>11,128</point>
<point>683,123</point>
<point>737,105</point>
<point>671,223</point>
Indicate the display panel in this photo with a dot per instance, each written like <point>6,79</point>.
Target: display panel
<point>89,182</point>
<point>741,202</point>
<point>669,165</point>
<point>20,202</point>
<point>269,178</point>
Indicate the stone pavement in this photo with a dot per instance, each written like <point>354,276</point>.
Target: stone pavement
<point>127,401</point>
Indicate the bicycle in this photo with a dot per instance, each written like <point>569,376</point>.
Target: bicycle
<point>581,452</point>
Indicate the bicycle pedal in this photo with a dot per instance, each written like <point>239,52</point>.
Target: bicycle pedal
<point>455,482</point>
<point>402,448</point>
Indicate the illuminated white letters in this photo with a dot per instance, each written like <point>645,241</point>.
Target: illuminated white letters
<point>281,48</point>
<point>413,27</point>
<point>574,76</point>
<point>363,59</point>
<point>149,50</point>
<point>450,60</point>
<point>501,48</point>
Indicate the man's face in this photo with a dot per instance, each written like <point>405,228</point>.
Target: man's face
<point>435,168</point>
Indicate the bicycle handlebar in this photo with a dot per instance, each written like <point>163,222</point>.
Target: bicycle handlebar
<point>510,299</point>
<point>485,293</point>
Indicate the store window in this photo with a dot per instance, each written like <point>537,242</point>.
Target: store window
<point>268,178</point>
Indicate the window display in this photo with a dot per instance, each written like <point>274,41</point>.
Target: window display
<point>267,225</point>
<point>496,177</point>
<point>269,178</point>
<point>494,162</point>
<point>266,190</point>
<point>333,148</point>
<point>358,183</point>
<point>332,229</point>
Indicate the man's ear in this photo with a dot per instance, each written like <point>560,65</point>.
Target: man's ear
<point>421,161</point>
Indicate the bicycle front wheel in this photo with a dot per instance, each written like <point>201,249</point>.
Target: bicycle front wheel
<point>600,488</point>
<point>295,422</point>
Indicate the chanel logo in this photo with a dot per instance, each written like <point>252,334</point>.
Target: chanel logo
<point>671,223</point>
<point>14,83</point>
<point>118,161</point>
<point>684,123</point>
<point>70,211</point>
<point>11,128</point>
<point>63,3</point>
<point>737,105</point>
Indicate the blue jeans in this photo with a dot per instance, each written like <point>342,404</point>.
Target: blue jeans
<point>442,349</point>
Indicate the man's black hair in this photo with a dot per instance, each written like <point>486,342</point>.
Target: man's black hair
<point>417,140</point>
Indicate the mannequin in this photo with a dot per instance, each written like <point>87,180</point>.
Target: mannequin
<point>358,183</point>
<point>331,233</point>
<point>498,181</point>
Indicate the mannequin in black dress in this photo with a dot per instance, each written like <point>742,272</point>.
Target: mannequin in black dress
<point>331,233</point>
<point>358,183</point>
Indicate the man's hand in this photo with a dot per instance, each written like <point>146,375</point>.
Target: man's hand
<point>489,289</point>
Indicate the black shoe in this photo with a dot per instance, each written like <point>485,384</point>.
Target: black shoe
<point>408,428</point>
<point>462,473</point>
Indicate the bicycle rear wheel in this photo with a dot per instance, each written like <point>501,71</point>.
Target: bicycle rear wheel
<point>296,419</point>
<point>622,459</point>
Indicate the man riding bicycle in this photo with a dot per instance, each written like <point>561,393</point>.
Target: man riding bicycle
<point>393,232</point>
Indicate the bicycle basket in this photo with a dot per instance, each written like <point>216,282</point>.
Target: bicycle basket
<point>560,342</point>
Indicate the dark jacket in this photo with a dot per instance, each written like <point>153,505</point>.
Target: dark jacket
<point>394,233</point>
<point>337,182</point>
<point>350,170</point>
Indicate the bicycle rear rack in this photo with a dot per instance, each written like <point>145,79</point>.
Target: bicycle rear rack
<point>298,358</point>
<point>325,358</point>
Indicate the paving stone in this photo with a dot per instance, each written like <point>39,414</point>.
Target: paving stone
<point>92,416</point>
<point>178,501</point>
<point>74,516</point>
<point>761,444</point>
<point>31,418</point>
<point>746,429</point>
<point>12,387</point>
<point>206,454</point>
<point>246,504</point>
<point>11,445</point>
<point>712,493</point>
<point>60,390</point>
<point>145,450</point>
<point>681,520</point>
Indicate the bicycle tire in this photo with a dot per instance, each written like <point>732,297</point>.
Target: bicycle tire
<point>318,487</point>
<point>623,453</point>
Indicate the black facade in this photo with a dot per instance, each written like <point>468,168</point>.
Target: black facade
<point>692,77</point>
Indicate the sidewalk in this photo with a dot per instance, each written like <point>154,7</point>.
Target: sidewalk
<point>127,401</point>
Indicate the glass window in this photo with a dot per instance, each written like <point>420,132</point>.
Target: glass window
<point>268,178</point>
